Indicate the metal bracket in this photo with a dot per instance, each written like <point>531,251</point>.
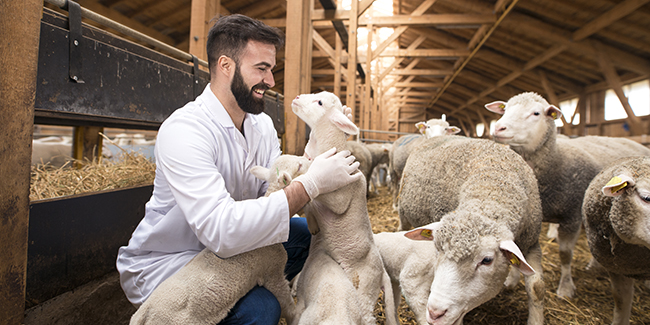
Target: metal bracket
<point>75,37</point>
<point>195,71</point>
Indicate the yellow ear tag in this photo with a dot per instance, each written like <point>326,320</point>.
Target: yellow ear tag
<point>514,260</point>
<point>502,106</point>
<point>554,115</point>
<point>426,233</point>
<point>616,180</point>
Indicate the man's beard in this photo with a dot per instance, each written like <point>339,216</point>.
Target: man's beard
<point>244,96</point>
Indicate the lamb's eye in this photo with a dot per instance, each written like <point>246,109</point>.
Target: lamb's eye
<point>536,113</point>
<point>487,261</point>
<point>320,102</point>
<point>645,198</point>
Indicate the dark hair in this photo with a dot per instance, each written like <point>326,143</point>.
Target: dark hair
<point>230,35</point>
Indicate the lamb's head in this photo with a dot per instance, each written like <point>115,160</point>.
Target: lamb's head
<point>282,172</point>
<point>472,265</point>
<point>313,108</point>
<point>435,127</point>
<point>527,121</point>
<point>630,192</point>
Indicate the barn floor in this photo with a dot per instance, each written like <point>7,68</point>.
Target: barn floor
<point>102,301</point>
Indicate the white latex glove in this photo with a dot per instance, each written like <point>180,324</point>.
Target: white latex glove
<point>328,172</point>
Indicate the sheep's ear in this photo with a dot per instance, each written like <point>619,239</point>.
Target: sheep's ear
<point>424,232</point>
<point>453,130</point>
<point>553,112</point>
<point>343,123</point>
<point>515,257</point>
<point>422,127</point>
<point>261,173</point>
<point>284,179</point>
<point>498,107</point>
<point>617,184</point>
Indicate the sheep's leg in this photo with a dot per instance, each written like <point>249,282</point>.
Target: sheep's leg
<point>389,300</point>
<point>416,292</point>
<point>535,287</point>
<point>397,294</point>
<point>567,239</point>
<point>403,224</point>
<point>623,292</point>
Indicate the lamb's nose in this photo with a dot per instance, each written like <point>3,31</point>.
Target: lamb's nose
<point>436,314</point>
<point>298,97</point>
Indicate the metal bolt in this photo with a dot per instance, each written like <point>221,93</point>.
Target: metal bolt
<point>196,38</point>
<point>76,43</point>
<point>74,78</point>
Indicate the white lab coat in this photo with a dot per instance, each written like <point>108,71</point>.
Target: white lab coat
<point>204,195</point>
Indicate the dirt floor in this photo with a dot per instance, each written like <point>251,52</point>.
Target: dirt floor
<point>102,301</point>
<point>593,302</point>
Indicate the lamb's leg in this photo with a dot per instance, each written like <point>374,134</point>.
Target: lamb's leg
<point>623,292</point>
<point>279,286</point>
<point>567,239</point>
<point>535,287</point>
<point>389,300</point>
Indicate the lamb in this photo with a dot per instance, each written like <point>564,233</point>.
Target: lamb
<point>342,229</point>
<point>478,202</point>
<point>410,266</point>
<point>563,166</point>
<point>204,290</point>
<point>616,212</point>
<point>403,146</point>
<point>363,156</point>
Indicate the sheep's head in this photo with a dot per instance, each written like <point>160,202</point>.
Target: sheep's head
<point>436,127</point>
<point>471,268</point>
<point>630,192</point>
<point>312,108</point>
<point>527,121</point>
<point>282,172</point>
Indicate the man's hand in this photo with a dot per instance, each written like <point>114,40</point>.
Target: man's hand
<point>328,172</point>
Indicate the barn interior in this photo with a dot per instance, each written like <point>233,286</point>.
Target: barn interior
<point>122,66</point>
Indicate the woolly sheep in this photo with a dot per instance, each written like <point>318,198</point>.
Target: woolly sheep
<point>342,227</point>
<point>402,148</point>
<point>363,156</point>
<point>204,290</point>
<point>563,166</point>
<point>410,266</point>
<point>379,154</point>
<point>616,209</point>
<point>484,204</point>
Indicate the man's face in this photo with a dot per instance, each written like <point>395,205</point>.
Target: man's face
<point>253,76</point>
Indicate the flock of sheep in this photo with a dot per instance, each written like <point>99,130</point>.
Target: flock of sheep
<point>470,214</point>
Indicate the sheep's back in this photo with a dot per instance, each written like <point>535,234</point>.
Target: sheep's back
<point>625,259</point>
<point>401,150</point>
<point>363,156</point>
<point>446,171</point>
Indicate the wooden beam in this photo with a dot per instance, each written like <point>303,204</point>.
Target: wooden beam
<point>338,66</point>
<point>428,53</point>
<point>619,11</point>
<point>419,84</point>
<point>440,20</point>
<point>550,93</point>
<point>423,72</point>
<point>367,99</point>
<point>351,96</point>
<point>322,44</point>
<point>202,13</point>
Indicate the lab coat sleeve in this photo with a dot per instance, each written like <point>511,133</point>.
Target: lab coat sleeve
<point>186,152</point>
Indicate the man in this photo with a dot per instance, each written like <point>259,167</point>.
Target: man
<point>204,194</point>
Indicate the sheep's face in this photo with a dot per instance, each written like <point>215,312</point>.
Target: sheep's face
<point>527,119</point>
<point>435,127</point>
<point>284,170</point>
<point>312,107</point>
<point>630,213</point>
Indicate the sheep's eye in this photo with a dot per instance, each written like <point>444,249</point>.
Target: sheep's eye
<point>536,113</point>
<point>320,102</point>
<point>645,198</point>
<point>487,261</point>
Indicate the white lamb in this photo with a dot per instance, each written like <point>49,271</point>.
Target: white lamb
<point>342,227</point>
<point>617,222</point>
<point>204,290</point>
<point>410,266</point>
<point>563,166</point>
<point>379,153</point>
<point>484,202</point>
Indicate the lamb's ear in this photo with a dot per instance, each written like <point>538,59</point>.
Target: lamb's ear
<point>616,185</point>
<point>261,173</point>
<point>424,232</point>
<point>422,127</point>
<point>498,107</point>
<point>284,179</point>
<point>553,112</point>
<point>343,123</point>
<point>452,130</point>
<point>515,257</point>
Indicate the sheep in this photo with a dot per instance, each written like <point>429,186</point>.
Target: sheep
<point>480,201</point>
<point>409,265</point>
<point>379,153</point>
<point>616,213</point>
<point>563,166</point>
<point>342,229</point>
<point>363,156</point>
<point>206,288</point>
<point>379,177</point>
<point>402,148</point>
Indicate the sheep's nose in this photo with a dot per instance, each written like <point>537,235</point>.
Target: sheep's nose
<point>298,97</point>
<point>436,314</point>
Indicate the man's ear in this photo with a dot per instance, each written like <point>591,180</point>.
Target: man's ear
<point>226,66</point>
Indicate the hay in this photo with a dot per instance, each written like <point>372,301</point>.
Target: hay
<point>593,303</point>
<point>129,169</point>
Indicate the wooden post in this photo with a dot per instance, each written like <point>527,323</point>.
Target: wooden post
<point>202,13</point>
<point>20,29</point>
<point>297,71</point>
<point>337,62</point>
<point>367,99</point>
<point>351,97</point>
<point>87,143</point>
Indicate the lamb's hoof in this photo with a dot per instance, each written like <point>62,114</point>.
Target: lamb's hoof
<point>552,230</point>
<point>566,289</point>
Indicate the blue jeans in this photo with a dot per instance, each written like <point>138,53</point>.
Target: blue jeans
<point>259,306</point>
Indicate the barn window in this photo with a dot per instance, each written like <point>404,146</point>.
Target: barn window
<point>568,108</point>
<point>638,95</point>
<point>480,128</point>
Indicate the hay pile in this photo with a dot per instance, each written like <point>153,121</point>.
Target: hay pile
<point>129,169</point>
<point>593,303</point>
